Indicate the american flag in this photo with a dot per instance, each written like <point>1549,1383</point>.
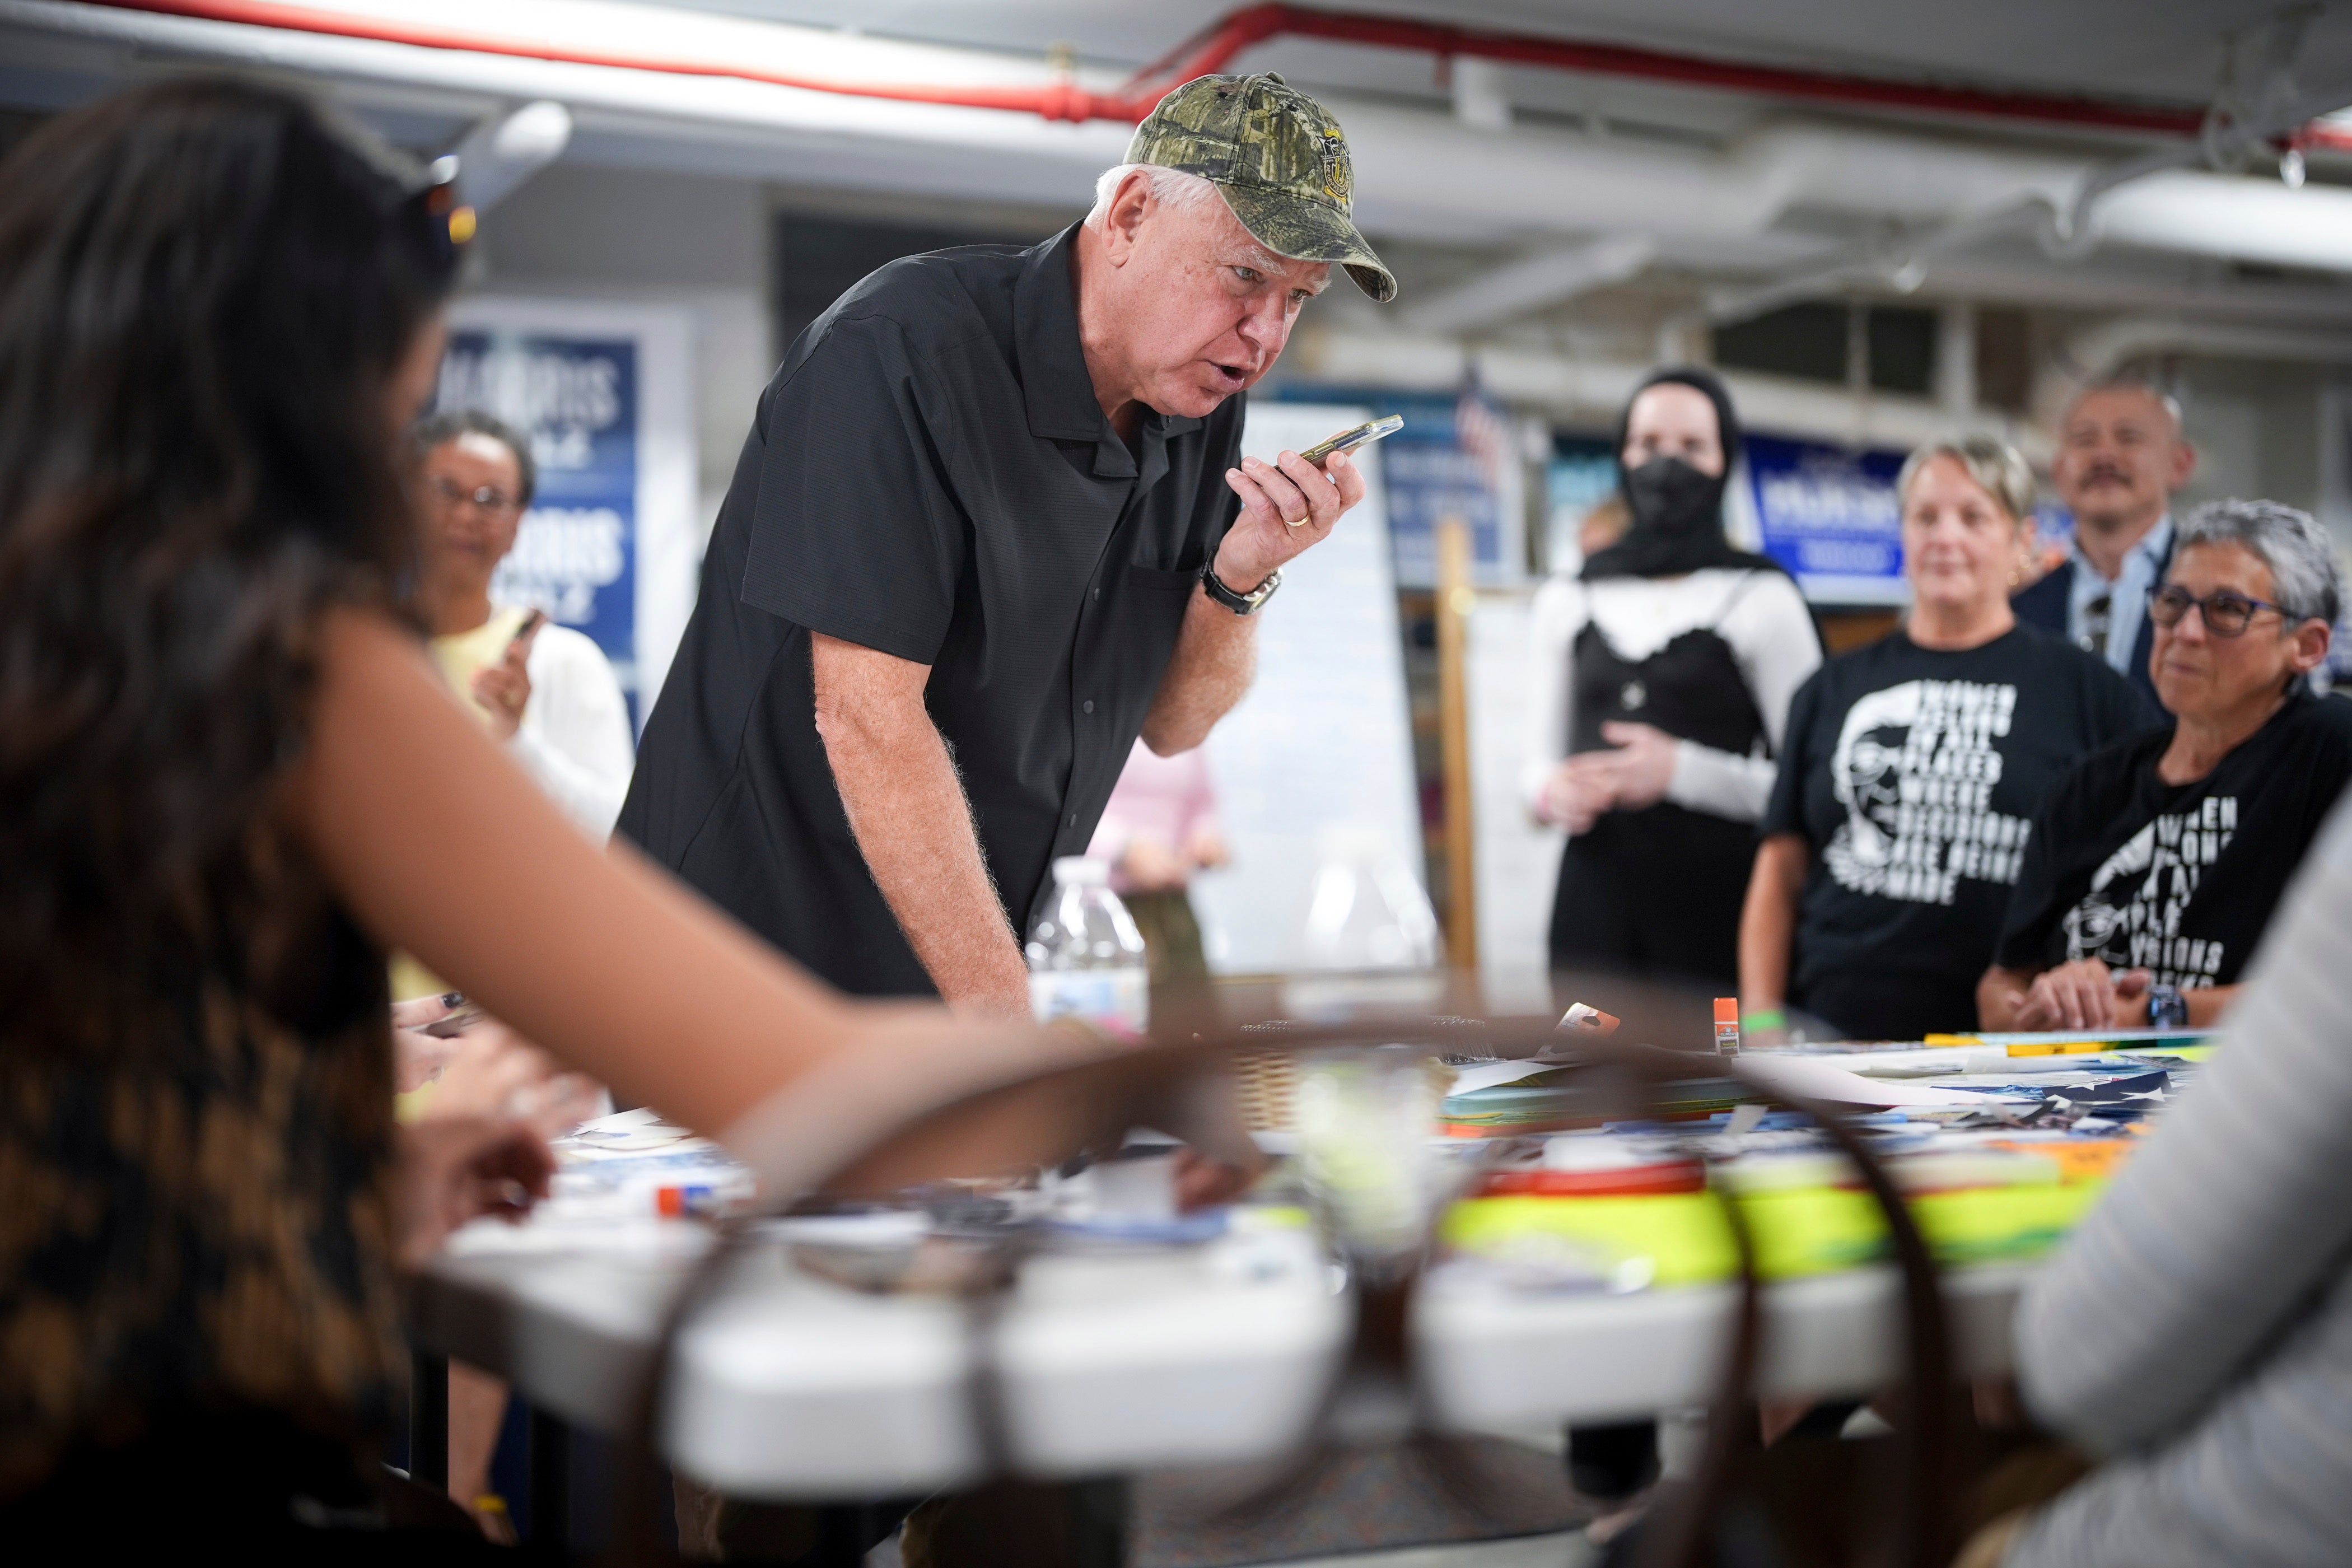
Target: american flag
<point>1480,430</point>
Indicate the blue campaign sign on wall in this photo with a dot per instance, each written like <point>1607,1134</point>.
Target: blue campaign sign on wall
<point>1830,516</point>
<point>604,390</point>
<point>576,399</point>
<point>1442,465</point>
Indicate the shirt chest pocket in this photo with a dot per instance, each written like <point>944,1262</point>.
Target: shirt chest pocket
<point>1156,580</point>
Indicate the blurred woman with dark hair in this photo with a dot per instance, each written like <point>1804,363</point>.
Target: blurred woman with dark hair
<point>229,780</point>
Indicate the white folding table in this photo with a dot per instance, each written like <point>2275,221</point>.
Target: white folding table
<point>789,1386</point>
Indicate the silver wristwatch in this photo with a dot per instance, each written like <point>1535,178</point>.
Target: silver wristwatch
<point>1239,603</point>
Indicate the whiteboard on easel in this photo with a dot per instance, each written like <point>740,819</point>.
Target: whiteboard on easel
<point>1325,738</point>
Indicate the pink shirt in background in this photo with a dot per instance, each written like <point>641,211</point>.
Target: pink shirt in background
<point>1166,798</point>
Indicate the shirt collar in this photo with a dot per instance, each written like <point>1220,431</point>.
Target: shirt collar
<point>1055,387</point>
<point>2154,547</point>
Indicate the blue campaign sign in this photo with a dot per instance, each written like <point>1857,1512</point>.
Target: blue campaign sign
<point>1830,516</point>
<point>576,398</point>
<point>1434,468</point>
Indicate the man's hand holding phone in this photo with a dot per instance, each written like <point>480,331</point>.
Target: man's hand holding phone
<point>1292,503</point>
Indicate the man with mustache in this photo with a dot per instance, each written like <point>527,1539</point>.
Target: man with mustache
<point>2121,458</point>
<point>992,524</point>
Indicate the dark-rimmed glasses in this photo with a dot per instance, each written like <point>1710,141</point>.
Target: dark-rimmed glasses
<point>2227,612</point>
<point>488,497</point>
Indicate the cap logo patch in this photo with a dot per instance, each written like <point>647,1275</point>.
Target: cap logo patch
<point>1338,175</point>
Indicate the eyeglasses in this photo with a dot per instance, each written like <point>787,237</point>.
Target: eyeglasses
<point>488,497</point>
<point>2227,612</point>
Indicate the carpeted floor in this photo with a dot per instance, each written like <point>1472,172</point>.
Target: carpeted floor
<point>1354,1501</point>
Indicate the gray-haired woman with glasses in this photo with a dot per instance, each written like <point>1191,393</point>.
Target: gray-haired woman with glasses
<point>2154,866</point>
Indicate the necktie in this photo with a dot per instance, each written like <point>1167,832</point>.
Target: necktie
<point>2097,615</point>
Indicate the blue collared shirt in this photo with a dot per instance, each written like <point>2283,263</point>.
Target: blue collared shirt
<point>2126,595</point>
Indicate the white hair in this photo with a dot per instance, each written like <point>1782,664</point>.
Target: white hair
<point>2303,574</point>
<point>2149,390</point>
<point>1172,188</point>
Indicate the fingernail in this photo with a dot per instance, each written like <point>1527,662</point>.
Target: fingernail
<point>452,998</point>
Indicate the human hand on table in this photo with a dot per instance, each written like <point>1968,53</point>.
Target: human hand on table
<point>2085,995</point>
<point>1287,506</point>
<point>449,1169</point>
<point>486,1070</point>
<point>495,1074</point>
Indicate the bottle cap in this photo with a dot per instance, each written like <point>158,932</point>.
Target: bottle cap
<point>1081,871</point>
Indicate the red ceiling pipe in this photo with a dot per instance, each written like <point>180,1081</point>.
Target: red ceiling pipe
<point>1213,48</point>
<point>1054,100</point>
<point>1216,48</point>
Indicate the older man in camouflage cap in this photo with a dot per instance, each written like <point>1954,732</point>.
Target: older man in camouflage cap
<point>993,523</point>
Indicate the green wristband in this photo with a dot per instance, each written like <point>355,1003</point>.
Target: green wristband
<point>1764,1018</point>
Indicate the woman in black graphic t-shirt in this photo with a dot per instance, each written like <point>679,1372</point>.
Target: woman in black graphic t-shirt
<point>1912,773</point>
<point>2155,864</point>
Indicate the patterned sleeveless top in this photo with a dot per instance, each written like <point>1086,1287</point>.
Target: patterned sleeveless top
<point>204,1217</point>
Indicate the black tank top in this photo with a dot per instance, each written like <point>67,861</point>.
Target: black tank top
<point>1693,689</point>
<point>1656,892</point>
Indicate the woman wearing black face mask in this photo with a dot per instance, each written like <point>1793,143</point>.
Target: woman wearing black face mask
<point>1663,677</point>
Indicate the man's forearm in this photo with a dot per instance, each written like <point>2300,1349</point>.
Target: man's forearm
<point>1216,654</point>
<point>906,808</point>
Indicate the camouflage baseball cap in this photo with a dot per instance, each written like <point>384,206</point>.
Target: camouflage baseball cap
<point>1278,158</point>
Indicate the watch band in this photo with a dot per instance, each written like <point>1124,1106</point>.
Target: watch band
<point>1239,603</point>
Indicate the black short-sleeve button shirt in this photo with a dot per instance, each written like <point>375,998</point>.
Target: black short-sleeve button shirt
<point>930,476</point>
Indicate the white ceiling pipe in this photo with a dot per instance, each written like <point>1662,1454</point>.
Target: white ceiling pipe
<point>497,155</point>
<point>1534,283</point>
<point>1481,98</point>
<point>1990,280</point>
<point>2246,219</point>
<point>1418,174</point>
<point>1592,390</point>
<point>2096,354</point>
<point>799,122</point>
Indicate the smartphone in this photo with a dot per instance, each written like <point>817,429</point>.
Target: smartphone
<point>530,625</point>
<point>451,1025</point>
<point>1348,440</point>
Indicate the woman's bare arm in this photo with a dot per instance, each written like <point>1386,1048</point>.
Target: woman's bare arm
<point>439,845</point>
<point>1768,921</point>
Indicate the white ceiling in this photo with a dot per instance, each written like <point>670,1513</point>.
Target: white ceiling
<point>1677,165</point>
<point>2164,49</point>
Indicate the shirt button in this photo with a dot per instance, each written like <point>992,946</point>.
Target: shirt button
<point>1074,819</point>
<point>1088,706</point>
<point>1098,594</point>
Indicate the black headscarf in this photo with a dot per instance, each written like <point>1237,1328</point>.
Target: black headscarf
<point>1678,511</point>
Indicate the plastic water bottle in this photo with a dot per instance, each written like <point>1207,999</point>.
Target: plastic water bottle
<point>1085,957</point>
<point>1369,942</point>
